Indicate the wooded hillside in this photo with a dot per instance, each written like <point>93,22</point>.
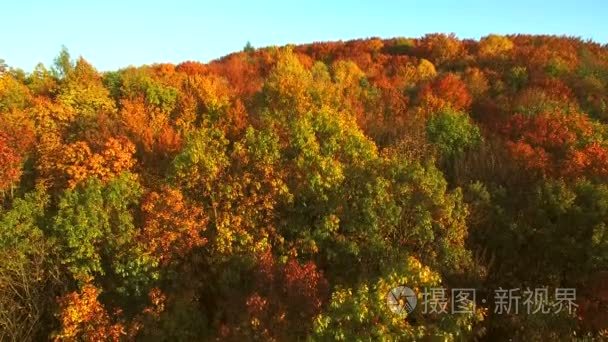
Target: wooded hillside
<point>280,193</point>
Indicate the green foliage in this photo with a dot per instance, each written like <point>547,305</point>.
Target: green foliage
<point>327,158</point>
<point>135,83</point>
<point>401,46</point>
<point>518,77</point>
<point>63,65</point>
<point>361,314</point>
<point>453,133</point>
<point>113,82</point>
<point>202,161</point>
<point>21,225</point>
<point>83,94</point>
<point>161,96</point>
<point>95,228</point>
<point>427,218</point>
<point>558,232</point>
<point>29,270</point>
<point>41,81</point>
<point>248,48</point>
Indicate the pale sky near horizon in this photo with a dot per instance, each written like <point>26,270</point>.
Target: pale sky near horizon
<point>112,34</point>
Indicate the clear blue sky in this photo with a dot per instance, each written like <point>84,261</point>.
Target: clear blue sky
<point>114,33</point>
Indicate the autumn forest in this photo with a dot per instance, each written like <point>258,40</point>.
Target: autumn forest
<point>280,193</point>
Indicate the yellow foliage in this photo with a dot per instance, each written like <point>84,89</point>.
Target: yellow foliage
<point>287,86</point>
<point>212,92</point>
<point>494,45</point>
<point>426,70</point>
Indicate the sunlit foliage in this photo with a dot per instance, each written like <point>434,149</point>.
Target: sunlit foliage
<point>279,193</point>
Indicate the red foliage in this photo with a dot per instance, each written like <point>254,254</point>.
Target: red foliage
<point>555,88</point>
<point>593,302</point>
<point>553,132</point>
<point>537,52</point>
<point>549,143</point>
<point>592,161</point>
<point>448,90</point>
<point>533,158</point>
<point>286,297</point>
<point>304,286</point>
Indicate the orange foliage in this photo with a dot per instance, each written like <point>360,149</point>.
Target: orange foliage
<point>10,163</point>
<point>81,163</point>
<point>139,122</point>
<point>19,130</point>
<point>168,141</point>
<point>302,285</point>
<point>149,128</point>
<point>236,119</point>
<point>243,75</point>
<point>191,68</point>
<point>78,161</point>
<point>440,48</point>
<point>157,299</point>
<point>150,315</point>
<point>164,69</point>
<point>84,318</point>
<point>476,81</point>
<point>172,227</point>
<point>555,88</point>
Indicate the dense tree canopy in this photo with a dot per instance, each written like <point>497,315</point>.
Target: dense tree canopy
<point>280,193</point>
